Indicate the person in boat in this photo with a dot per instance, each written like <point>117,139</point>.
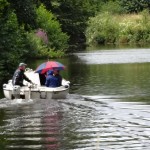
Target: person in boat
<point>53,78</point>
<point>19,75</point>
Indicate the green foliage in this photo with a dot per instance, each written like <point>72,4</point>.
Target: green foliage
<point>40,49</point>
<point>56,54</point>
<point>102,29</point>
<point>25,11</point>
<point>135,29</point>
<point>36,45</point>
<point>76,13</point>
<point>134,6</point>
<point>57,39</point>
<point>107,28</point>
<point>112,7</point>
<point>12,45</point>
<point>73,16</point>
<point>17,17</point>
<point>3,5</point>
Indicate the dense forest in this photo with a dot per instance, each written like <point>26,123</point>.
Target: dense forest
<point>53,28</point>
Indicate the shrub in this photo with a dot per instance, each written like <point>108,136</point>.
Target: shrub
<point>40,49</point>
<point>57,39</point>
<point>134,6</point>
<point>108,28</point>
<point>112,7</point>
<point>12,45</point>
<point>102,29</point>
<point>134,29</point>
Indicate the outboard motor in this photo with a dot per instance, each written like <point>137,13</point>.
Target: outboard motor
<point>16,91</point>
<point>67,84</point>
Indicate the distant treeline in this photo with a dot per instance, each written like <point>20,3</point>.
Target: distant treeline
<point>52,28</point>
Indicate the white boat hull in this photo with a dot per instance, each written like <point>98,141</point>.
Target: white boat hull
<point>44,93</point>
<point>35,91</point>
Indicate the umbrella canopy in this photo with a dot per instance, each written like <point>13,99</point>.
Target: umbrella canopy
<point>49,65</point>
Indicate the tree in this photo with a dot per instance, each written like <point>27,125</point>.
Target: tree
<point>73,15</point>
<point>3,8</point>
<point>135,6</point>
<point>25,11</point>
<point>13,41</point>
<point>11,44</point>
<point>57,40</point>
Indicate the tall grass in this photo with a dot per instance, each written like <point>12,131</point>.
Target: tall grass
<point>108,28</point>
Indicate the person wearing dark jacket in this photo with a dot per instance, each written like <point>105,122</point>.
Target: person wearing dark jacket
<point>53,79</point>
<point>19,75</point>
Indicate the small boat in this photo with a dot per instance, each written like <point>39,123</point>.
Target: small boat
<point>36,90</point>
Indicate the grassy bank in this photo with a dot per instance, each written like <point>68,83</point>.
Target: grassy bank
<point>107,28</point>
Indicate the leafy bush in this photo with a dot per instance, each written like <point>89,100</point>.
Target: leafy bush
<point>102,29</point>
<point>73,16</point>
<point>107,28</point>
<point>40,49</point>
<point>135,29</point>
<point>12,44</point>
<point>25,12</point>
<point>112,7</point>
<point>57,39</point>
<point>134,6</point>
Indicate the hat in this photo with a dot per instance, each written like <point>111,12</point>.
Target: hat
<point>22,64</point>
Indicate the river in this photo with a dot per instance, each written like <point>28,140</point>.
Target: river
<point>108,107</point>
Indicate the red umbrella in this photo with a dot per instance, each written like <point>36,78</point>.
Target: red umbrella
<point>49,65</point>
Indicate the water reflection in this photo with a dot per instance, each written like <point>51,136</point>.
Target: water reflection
<point>117,79</point>
<point>108,108</point>
<point>33,126</point>
<point>79,122</point>
<point>100,120</point>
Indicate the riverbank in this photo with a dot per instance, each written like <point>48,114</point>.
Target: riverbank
<point>106,28</point>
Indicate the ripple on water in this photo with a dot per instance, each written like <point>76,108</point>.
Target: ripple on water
<point>79,122</point>
<point>122,125</point>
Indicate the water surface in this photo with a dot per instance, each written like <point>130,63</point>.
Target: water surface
<point>108,107</point>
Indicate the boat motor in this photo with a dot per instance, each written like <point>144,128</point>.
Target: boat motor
<point>16,91</point>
